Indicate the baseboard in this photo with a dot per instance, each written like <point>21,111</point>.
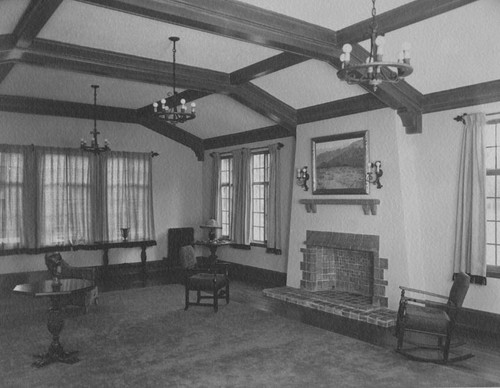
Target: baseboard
<point>10,280</point>
<point>479,322</point>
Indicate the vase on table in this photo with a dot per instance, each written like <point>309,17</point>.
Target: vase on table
<point>125,233</point>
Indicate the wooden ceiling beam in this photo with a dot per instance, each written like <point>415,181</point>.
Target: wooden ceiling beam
<point>262,102</point>
<point>236,20</point>
<point>267,66</point>
<point>80,59</point>
<point>33,20</point>
<point>40,106</point>
<point>399,17</point>
<point>261,134</point>
<point>174,133</point>
<point>478,94</point>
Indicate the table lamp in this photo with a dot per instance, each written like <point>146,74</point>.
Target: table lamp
<point>211,225</point>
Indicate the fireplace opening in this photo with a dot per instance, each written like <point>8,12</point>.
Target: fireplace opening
<point>345,267</point>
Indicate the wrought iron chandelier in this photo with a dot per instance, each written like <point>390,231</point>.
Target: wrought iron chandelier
<point>177,113</point>
<point>94,145</point>
<point>375,70</point>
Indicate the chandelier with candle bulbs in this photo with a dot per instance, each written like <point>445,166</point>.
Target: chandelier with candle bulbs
<point>178,112</point>
<point>375,70</point>
<point>94,144</point>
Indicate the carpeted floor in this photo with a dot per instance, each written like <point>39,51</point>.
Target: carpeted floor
<point>144,338</point>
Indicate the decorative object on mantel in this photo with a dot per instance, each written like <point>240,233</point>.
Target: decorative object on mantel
<point>340,163</point>
<point>375,70</point>
<point>94,145</point>
<point>375,170</point>
<point>369,205</point>
<point>125,232</point>
<point>174,114</point>
<point>302,178</point>
<point>211,225</point>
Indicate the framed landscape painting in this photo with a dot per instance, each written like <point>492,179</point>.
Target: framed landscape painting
<point>340,164</point>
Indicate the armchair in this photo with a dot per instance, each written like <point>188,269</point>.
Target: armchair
<point>211,280</point>
<point>58,268</point>
<point>431,319</point>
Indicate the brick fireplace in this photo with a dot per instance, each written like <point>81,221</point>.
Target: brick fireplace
<point>344,263</point>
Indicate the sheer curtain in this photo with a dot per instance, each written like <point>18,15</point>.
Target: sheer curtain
<point>64,197</point>
<point>470,235</point>
<point>16,199</point>
<point>129,195</point>
<point>274,211</point>
<point>215,194</point>
<point>241,221</point>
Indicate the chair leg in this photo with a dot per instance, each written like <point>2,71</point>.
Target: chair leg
<point>227,293</point>
<point>216,300</point>
<point>401,334</point>
<point>187,297</point>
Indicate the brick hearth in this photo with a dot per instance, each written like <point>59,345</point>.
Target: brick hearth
<point>344,262</point>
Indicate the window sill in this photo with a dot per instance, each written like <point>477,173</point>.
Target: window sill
<point>493,272</point>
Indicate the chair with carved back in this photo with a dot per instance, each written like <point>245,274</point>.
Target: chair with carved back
<point>432,320</point>
<point>60,268</point>
<point>209,282</point>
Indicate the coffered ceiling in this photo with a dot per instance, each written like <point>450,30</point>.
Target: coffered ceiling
<point>256,68</point>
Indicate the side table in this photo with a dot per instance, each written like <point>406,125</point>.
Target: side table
<point>55,290</point>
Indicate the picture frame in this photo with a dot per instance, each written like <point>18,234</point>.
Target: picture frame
<point>340,164</point>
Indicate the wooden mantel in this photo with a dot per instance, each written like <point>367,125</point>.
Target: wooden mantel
<point>368,205</point>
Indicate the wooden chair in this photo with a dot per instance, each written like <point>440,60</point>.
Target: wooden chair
<point>209,282</point>
<point>431,319</point>
<point>53,261</point>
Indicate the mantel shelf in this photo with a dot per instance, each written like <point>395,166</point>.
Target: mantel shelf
<point>369,205</point>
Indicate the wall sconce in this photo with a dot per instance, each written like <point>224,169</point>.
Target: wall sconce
<point>302,177</point>
<point>376,172</point>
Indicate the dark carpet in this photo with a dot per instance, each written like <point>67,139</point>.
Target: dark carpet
<point>144,338</point>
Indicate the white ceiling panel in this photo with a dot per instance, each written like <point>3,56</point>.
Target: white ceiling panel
<point>332,14</point>
<point>31,81</point>
<point>97,27</point>
<point>218,115</point>
<point>313,82</point>
<point>10,13</point>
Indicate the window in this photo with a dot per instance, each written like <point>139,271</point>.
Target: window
<point>492,161</point>
<point>11,194</point>
<point>128,187</point>
<point>60,197</point>
<point>226,194</point>
<point>260,196</point>
<point>65,191</point>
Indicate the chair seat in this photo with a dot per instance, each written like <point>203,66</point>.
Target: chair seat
<point>205,281</point>
<point>426,319</point>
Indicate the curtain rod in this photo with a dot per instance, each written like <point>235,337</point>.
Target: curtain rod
<point>460,118</point>
<point>280,145</point>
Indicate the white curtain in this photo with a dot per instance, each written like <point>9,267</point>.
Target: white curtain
<point>64,197</point>
<point>470,235</point>
<point>215,195</point>
<point>241,216</point>
<point>129,195</point>
<point>274,210</point>
<point>16,200</point>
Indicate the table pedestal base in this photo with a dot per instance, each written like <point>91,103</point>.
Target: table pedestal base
<point>55,353</point>
<point>55,325</point>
